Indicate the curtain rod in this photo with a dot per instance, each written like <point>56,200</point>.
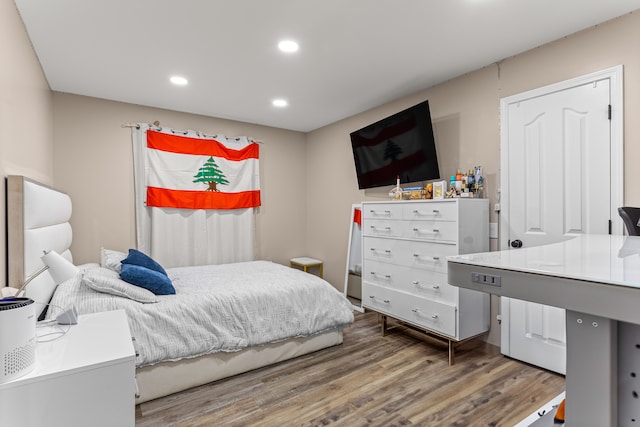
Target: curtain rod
<point>130,125</point>
<point>184,132</point>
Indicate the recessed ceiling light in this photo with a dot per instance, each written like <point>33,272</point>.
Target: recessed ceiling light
<point>177,80</point>
<point>279,102</point>
<point>288,46</point>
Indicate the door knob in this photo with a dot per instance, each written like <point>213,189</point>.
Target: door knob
<point>516,243</point>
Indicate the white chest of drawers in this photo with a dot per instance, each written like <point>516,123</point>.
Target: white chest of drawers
<point>404,274</point>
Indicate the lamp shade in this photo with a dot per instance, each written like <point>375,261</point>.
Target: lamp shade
<point>60,268</point>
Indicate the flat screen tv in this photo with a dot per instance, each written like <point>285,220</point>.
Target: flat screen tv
<point>401,145</point>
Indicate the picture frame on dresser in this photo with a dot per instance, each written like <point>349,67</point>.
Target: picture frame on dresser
<point>439,188</point>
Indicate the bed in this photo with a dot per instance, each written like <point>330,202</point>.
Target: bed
<point>265,312</point>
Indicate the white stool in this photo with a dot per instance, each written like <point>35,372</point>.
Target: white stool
<point>305,263</point>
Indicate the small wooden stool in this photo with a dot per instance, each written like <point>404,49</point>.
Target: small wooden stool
<point>305,263</point>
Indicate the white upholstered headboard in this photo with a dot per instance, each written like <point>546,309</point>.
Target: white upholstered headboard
<point>37,221</point>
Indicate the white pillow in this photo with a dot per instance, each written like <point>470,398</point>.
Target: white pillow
<point>107,281</point>
<point>88,266</point>
<point>111,259</point>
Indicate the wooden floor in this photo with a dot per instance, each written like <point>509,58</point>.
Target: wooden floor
<point>401,379</point>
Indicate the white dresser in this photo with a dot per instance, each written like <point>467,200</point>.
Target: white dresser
<point>404,275</point>
<point>84,378</point>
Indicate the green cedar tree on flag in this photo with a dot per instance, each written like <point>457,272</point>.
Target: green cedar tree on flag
<point>211,174</point>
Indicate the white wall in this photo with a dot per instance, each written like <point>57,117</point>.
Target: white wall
<point>25,112</point>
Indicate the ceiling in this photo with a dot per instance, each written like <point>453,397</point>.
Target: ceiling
<point>354,54</point>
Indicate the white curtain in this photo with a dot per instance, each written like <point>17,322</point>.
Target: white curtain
<point>182,237</point>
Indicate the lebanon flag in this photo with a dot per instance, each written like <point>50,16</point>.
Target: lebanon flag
<point>197,173</point>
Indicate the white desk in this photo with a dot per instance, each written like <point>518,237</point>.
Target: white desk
<point>84,378</point>
<point>597,279</point>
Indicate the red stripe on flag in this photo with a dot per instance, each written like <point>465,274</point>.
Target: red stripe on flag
<point>198,146</point>
<point>189,199</point>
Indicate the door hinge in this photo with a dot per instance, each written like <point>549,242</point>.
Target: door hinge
<point>610,226</point>
<point>609,111</point>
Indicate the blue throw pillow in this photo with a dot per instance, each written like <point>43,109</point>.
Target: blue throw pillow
<point>152,280</point>
<point>136,257</point>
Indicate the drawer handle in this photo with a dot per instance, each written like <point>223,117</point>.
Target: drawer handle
<point>385,252</point>
<point>423,231</point>
<point>374,228</point>
<point>386,276</point>
<point>426,288</point>
<point>433,258</point>
<point>373,297</point>
<point>416,311</point>
<point>386,212</point>
<point>418,212</point>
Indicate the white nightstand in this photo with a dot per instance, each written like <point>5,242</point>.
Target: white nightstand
<point>85,378</point>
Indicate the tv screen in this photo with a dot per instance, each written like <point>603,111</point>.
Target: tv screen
<point>401,145</point>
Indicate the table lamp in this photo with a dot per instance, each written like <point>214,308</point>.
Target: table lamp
<point>59,268</point>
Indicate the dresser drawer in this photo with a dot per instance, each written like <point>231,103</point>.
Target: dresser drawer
<point>383,228</point>
<point>423,255</point>
<point>381,249</point>
<point>439,211</point>
<point>382,211</point>
<point>414,281</point>
<point>436,316</point>
<point>437,231</point>
<point>381,299</point>
<point>431,257</point>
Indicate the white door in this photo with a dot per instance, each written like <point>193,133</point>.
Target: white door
<point>556,183</point>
